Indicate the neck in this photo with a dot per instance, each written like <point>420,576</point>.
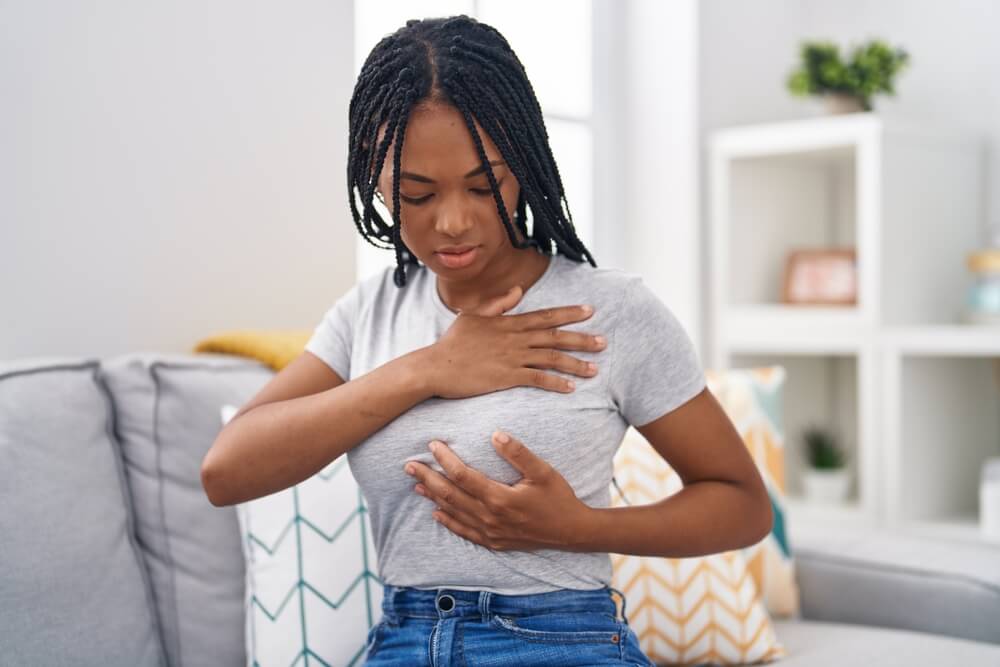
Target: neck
<point>519,267</point>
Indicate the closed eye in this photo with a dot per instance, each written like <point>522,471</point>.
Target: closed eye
<point>482,192</point>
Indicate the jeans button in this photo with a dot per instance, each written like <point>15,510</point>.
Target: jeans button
<point>445,603</point>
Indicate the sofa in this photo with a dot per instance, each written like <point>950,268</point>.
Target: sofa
<point>112,555</point>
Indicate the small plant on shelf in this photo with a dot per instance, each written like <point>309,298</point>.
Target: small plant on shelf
<point>826,480</point>
<point>847,85</point>
<point>824,451</point>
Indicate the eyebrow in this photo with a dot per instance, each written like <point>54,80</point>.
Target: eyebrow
<point>423,179</point>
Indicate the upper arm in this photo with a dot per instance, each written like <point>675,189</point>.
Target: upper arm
<point>700,443</point>
<point>307,374</point>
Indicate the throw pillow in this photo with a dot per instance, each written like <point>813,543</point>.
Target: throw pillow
<point>705,609</point>
<point>311,588</point>
<point>752,399</point>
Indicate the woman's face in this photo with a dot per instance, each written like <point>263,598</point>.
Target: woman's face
<point>444,195</point>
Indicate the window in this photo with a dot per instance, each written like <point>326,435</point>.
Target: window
<point>562,79</point>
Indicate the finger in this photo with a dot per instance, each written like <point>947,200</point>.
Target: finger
<point>473,482</point>
<point>500,304</point>
<point>533,377</point>
<point>442,488</point>
<point>459,528</point>
<point>563,362</point>
<point>530,465</point>
<point>466,518</point>
<point>552,317</point>
<point>565,340</point>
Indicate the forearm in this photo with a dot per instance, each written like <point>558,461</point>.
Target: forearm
<point>277,445</point>
<point>702,518</point>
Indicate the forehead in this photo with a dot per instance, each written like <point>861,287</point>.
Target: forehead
<point>438,143</point>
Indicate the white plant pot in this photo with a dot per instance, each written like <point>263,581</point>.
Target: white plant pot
<point>826,487</point>
<point>839,103</point>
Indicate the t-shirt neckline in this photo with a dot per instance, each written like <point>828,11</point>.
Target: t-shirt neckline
<point>444,310</point>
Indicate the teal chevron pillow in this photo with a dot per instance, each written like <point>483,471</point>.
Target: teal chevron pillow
<point>752,397</point>
<point>311,589</point>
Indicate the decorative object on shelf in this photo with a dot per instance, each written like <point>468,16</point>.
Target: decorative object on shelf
<point>983,299</point>
<point>821,277</point>
<point>846,86</point>
<point>989,500</point>
<point>826,480</point>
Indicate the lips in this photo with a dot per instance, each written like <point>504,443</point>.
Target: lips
<point>458,260</point>
<point>456,249</point>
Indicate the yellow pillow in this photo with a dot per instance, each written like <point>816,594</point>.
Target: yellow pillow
<point>276,348</point>
<point>686,610</point>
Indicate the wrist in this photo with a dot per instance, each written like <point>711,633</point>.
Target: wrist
<point>419,372</point>
<point>587,529</point>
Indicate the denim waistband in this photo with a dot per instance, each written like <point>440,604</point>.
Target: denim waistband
<point>407,602</point>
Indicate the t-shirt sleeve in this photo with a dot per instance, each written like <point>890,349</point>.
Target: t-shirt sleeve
<point>333,337</point>
<point>654,365</point>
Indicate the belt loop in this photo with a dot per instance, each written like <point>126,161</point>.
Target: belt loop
<point>622,596</point>
<point>390,595</point>
<point>484,605</point>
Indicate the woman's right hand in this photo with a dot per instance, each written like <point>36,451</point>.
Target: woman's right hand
<point>484,350</point>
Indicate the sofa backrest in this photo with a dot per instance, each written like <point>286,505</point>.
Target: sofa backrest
<point>73,582</point>
<point>166,417</point>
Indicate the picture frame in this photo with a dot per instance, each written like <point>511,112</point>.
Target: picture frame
<point>821,276</point>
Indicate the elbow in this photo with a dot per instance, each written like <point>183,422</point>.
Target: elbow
<point>761,517</point>
<point>212,479</point>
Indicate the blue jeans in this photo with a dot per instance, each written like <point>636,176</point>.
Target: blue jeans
<point>447,627</point>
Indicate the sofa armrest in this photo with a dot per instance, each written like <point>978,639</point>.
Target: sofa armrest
<point>900,581</point>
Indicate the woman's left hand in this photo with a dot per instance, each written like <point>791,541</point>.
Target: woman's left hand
<point>539,511</point>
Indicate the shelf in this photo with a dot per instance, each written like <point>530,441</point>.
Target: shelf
<point>917,405</point>
<point>810,330</point>
<point>807,137</point>
<point>963,528</point>
<point>801,510</point>
<point>955,340</point>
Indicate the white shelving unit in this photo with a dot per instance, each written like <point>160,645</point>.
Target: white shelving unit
<point>914,396</point>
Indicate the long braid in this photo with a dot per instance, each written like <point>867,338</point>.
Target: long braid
<point>470,66</point>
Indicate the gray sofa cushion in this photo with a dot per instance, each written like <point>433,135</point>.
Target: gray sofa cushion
<point>891,579</point>
<point>167,418</point>
<point>817,644</point>
<point>73,586</point>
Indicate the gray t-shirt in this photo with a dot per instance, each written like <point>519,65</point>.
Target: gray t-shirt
<point>648,368</point>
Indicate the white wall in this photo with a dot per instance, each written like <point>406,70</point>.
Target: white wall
<point>168,170</point>
<point>659,127</point>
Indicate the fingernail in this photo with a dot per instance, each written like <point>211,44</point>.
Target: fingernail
<point>591,367</point>
<point>409,469</point>
<point>503,437</point>
<point>600,340</point>
<point>433,445</point>
<point>588,309</point>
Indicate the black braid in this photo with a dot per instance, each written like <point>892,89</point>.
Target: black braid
<point>470,66</point>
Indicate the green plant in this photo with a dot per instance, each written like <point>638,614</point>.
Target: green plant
<point>822,448</point>
<point>870,70</point>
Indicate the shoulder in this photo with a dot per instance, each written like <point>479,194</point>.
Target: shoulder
<point>618,290</point>
<point>379,288</point>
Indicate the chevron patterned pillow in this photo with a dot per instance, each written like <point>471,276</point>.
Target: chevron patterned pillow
<point>752,398</point>
<point>311,589</point>
<point>707,609</point>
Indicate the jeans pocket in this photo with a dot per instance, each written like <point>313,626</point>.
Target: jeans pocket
<point>567,628</point>
<point>373,638</point>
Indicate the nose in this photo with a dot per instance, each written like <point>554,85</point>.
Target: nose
<point>454,218</point>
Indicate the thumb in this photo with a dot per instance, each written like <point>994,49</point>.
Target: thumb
<point>502,303</point>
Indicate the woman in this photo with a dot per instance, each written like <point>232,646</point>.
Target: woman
<point>492,548</point>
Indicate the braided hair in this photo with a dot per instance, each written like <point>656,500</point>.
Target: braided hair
<point>469,65</point>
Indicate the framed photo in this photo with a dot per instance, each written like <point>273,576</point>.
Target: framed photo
<point>821,277</point>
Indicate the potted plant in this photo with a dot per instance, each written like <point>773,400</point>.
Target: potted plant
<point>846,86</point>
<point>826,480</point>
